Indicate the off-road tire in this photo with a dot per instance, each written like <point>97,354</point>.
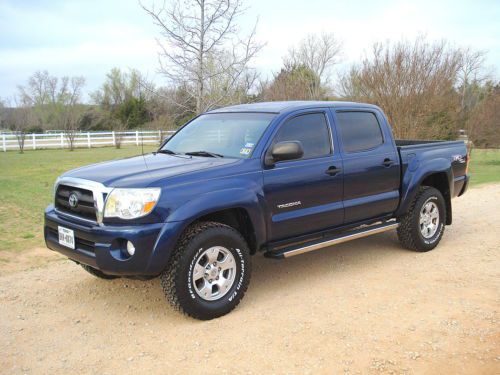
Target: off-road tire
<point>409,233</point>
<point>176,279</point>
<point>97,273</point>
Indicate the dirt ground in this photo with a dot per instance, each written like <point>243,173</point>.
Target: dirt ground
<point>362,307</point>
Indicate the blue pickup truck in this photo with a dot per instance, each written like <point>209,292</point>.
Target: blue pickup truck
<point>281,178</point>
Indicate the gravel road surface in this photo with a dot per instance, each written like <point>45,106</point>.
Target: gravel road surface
<point>366,307</point>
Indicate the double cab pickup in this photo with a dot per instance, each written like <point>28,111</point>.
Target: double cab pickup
<point>280,178</point>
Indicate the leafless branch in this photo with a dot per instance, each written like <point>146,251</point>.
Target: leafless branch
<point>194,34</point>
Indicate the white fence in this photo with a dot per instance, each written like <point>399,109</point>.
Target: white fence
<point>84,139</point>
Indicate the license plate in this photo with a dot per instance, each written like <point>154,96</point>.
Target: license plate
<point>66,237</point>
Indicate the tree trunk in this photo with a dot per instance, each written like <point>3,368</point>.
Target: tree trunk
<point>200,93</point>
<point>21,136</point>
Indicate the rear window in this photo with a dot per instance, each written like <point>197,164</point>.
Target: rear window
<point>360,131</point>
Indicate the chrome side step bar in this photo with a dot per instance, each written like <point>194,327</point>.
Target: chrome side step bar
<point>288,252</point>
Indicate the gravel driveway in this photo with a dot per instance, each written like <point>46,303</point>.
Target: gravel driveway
<point>366,306</point>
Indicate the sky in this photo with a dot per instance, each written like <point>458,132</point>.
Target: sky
<point>89,37</point>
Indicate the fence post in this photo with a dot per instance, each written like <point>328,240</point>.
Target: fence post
<point>62,140</point>
<point>114,138</point>
<point>88,139</point>
<point>137,137</point>
<point>3,143</point>
<point>34,141</point>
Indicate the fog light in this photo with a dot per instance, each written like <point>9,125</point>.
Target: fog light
<point>130,248</point>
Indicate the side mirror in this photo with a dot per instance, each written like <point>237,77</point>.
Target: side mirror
<point>286,151</point>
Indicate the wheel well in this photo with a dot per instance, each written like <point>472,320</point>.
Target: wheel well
<point>439,181</point>
<point>237,218</point>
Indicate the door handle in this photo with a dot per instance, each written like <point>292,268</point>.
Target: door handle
<point>332,171</point>
<point>387,162</point>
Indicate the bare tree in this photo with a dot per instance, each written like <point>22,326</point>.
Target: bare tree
<point>471,76</point>
<point>20,119</point>
<point>47,95</point>
<point>415,84</point>
<point>197,33</point>
<point>319,53</point>
<point>41,94</point>
<point>118,127</point>
<point>40,90</point>
<point>471,71</point>
<point>230,88</point>
<point>69,120</point>
<point>69,109</point>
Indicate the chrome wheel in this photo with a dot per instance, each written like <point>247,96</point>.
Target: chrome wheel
<point>429,219</point>
<point>214,273</point>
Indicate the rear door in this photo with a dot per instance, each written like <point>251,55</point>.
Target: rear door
<point>304,195</point>
<point>371,164</point>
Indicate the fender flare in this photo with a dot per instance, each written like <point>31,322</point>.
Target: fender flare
<point>202,205</point>
<point>224,199</point>
<point>416,173</point>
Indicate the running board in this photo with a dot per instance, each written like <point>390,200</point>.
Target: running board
<point>291,251</point>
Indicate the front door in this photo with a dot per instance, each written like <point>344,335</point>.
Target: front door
<point>305,195</point>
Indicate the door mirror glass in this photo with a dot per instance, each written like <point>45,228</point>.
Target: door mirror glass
<point>289,150</point>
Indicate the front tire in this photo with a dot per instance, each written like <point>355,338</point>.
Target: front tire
<point>208,272</point>
<point>422,227</point>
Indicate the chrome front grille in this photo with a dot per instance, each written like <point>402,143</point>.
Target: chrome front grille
<point>84,198</point>
<point>88,195</point>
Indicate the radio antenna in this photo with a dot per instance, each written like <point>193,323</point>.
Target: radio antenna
<point>142,142</point>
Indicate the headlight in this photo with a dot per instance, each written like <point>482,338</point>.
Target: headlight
<point>131,203</point>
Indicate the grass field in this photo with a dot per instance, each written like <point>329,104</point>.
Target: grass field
<point>27,180</point>
<point>484,166</point>
<point>26,188</point>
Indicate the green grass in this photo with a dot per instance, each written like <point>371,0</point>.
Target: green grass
<point>484,166</point>
<point>27,180</point>
<point>26,188</point>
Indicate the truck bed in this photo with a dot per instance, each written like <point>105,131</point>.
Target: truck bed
<point>438,154</point>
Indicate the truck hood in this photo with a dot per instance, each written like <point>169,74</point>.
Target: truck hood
<point>143,171</point>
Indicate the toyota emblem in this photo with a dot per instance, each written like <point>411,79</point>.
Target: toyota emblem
<point>73,200</point>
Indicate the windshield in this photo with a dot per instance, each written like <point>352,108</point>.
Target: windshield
<point>232,135</point>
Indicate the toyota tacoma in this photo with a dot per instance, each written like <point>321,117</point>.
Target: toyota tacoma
<point>281,178</point>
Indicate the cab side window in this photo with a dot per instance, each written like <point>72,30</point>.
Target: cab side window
<point>311,130</point>
<point>360,131</point>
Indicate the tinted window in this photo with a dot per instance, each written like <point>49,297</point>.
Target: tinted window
<point>360,131</point>
<point>311,130</point>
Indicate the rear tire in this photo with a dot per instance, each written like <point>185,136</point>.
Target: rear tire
<point>422,227</point>
<point>97,273</point>
<point>209,271</point>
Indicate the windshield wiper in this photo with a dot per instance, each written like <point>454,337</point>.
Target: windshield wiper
<point>168,152</point>
<point>204,153</point>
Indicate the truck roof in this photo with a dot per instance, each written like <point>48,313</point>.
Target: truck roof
<point>279,107</point>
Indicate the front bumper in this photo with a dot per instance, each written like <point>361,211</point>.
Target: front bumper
<point>102,247</point>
